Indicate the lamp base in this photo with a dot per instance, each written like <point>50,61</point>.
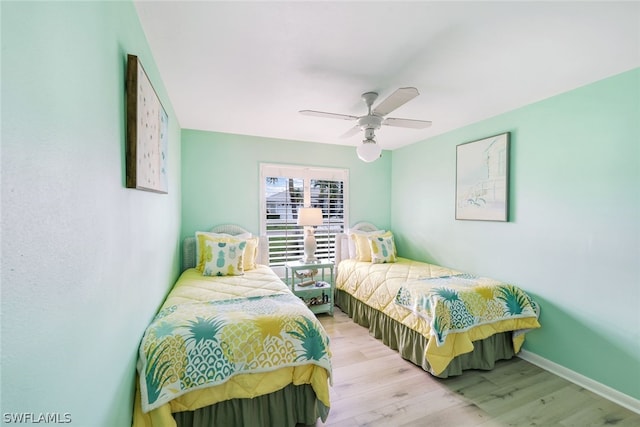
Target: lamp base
<point>310,247</point>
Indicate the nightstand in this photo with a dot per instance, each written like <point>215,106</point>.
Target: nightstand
<point>318,295</point>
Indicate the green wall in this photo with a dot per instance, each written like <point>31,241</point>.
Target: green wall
<point>573,240</point>
<point>221,178</point>
<point>85,261</point>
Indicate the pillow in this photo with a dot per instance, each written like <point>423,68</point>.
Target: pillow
<point>223,258</point>
<point>251,253</point>
<point>383,248</point>
<point>361,244</point>
<point>202,235</point>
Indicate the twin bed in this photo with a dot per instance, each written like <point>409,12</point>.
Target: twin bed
<point>232,345</point>
<point>442,320</point>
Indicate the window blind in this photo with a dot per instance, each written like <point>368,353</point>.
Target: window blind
<point>284,190</point>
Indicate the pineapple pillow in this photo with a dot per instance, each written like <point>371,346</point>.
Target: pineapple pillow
<point>223,258</point>
<point>383,248</point>
<point>202,236</point>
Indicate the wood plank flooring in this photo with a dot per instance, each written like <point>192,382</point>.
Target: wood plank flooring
<point>374,386</point>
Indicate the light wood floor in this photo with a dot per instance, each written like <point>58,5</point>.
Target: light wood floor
<point>374,386</point>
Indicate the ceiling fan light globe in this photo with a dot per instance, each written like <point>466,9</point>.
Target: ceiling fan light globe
<point>369,151</point>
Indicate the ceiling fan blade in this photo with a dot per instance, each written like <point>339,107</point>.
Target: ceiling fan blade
<point>354,130</point>
<point>327,115</point>
<point>395,100</point>
<point>406,123</point>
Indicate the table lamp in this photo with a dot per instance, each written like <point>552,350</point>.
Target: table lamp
<point>308,217</point>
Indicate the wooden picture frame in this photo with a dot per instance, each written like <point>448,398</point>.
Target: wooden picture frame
<point>147,132</point>
<point>482,179</point>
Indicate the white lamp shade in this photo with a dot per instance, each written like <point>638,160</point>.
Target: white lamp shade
<point>369,151</point>
<point>309,216</point>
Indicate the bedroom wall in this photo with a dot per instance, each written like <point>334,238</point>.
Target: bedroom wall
<point>573,240</point>
<point>85,261</point>
<point>220,176</point>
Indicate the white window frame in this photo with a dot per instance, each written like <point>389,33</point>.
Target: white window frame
<point>306,173</point>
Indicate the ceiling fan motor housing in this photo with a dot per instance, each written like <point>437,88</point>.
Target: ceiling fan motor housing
<point>370,122</point>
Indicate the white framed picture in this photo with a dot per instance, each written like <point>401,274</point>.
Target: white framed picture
<point>482,179</point>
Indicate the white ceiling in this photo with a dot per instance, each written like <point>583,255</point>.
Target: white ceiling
<point>249,67</point>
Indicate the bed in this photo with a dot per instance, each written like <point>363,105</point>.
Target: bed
<point>443,320</point>
<point>231,345</point>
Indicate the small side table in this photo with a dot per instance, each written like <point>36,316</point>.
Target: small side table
<point>318,295</point>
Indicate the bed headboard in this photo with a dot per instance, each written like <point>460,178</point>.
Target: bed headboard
<point>343,250</point>
<point>189,245</point>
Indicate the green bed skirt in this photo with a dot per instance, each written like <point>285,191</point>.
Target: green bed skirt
<point>294,404</point>
<point>411,345</point>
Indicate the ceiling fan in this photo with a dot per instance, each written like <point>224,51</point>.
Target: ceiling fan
<point>374,119</point>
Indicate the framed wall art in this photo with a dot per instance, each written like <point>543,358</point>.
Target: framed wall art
<point>482,179</point>
<point>147,132</point>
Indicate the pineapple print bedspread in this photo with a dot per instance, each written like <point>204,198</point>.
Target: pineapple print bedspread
<point>457,303</point>
<point>378,286</point>
<point>212,328</point>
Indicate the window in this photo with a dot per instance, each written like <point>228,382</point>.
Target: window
<point>285,189</point>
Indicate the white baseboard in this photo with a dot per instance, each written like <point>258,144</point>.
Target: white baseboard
<point>598,388</point>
